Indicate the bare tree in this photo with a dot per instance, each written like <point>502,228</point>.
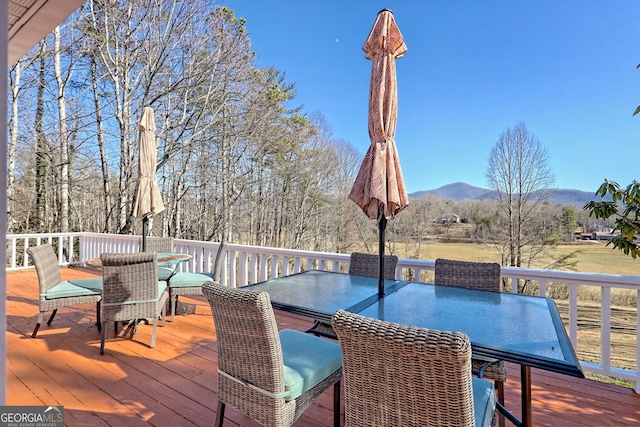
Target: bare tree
<point>520,173</point>
<point>15,74</point>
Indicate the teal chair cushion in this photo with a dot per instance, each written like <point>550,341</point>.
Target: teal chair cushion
<point>307,360</point>
<point>188,280</point>
<point>164,273</point>
<point>75,288</point>
<point>162,285</point>
<point>484,402</point>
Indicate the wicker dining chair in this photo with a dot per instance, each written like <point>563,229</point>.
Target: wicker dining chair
<point>367,265</point>
<point>132,292</point>
<point>269,375</point>
<point>483,276</point>
<point>180,283</point>
<point>399,375</point>
<point>56,293</point>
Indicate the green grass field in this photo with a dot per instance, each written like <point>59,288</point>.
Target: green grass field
<point>594,257</point>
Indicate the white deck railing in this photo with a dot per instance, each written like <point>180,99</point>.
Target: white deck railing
<point>244,265</point>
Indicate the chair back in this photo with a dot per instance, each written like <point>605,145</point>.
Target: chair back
<point>158,244</point>
<point>245,320</point>
<point>130,286</point>
<point>47,267</point>
<point>367,265</point>
<point>483,276</point>
<point>402,375</point>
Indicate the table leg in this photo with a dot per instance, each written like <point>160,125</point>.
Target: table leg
<point>525,382</point>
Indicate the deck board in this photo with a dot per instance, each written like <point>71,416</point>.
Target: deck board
<point>174,384</point>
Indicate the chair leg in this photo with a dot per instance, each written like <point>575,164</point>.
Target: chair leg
<point>500,396</point>
<point>336,404</point>
<point>103,336</point>
<point>53,314</point>
<point>153,332</point>
<point>40,318</point>
<point>98,323</point>
<point>220,413</point>
<point>174,306</point>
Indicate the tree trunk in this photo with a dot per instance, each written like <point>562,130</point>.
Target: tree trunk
<point>63,215</point>
<point>41,151</point>
<point>104,165</point>
<point>11,150</point>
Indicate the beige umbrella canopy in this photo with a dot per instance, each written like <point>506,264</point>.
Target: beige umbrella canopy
<point>379,187</point>
<point>148,196</point>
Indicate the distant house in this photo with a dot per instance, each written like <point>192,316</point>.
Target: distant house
<point>449,219</point>
<point>604,235</point>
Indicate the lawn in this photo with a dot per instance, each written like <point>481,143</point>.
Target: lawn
<point>593,257</point>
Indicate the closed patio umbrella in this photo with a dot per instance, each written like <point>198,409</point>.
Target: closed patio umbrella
<point>148,197</point>
<point>379,188</point>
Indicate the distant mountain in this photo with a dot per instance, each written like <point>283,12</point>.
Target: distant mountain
<point>457,191</point>
<point>461,191</point>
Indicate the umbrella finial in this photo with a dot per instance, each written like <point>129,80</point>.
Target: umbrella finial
<point>385,10</point>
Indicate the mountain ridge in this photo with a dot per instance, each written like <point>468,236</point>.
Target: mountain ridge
<point>459,191</point>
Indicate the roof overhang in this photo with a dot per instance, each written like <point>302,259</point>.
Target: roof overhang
<point>31,20</point>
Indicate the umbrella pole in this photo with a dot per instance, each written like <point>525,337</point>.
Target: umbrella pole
<point>145,230</point>
<point>382,225</point>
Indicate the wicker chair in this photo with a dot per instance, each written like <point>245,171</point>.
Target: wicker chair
<point>132,292</point>
<point>367,265</point>
<point>55,293</point>
<point>399,375</point>
<point>269,375</point>
<point>483,276</point>
<point>180,283</point>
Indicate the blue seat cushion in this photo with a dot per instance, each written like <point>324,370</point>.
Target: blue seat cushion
<point>162,285</point>
<point>484,402</point>
<point>307,360</point>
<point>75,288</point>
<point>188,280</point>
<point>165,273</point>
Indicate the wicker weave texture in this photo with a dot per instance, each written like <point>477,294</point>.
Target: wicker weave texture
<point>48,270</point>
<point>130,287</point>
<point>398,375</point>
<point>158,244</point>
<point>130,290</point>
<point>249,349</point>
<point>483,276</point>
<point>367,265</point>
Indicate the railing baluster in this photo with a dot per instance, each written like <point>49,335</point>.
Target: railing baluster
<point>605,328</point>
<point>573,314</point>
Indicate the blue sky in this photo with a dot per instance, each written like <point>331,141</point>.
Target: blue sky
<point>567,69</point>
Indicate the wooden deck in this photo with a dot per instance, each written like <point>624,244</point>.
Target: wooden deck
<point>174,384</point>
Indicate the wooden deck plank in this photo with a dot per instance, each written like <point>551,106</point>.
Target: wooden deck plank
<point>175,383</point>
